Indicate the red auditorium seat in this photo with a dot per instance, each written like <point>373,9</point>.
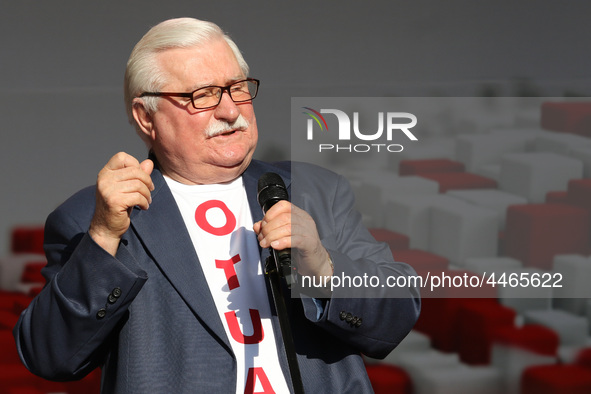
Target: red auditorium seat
<point>7,320</point>
<point>27,239</point>
<point>14,376</point>
<point>579,193</point>
<point>460,181</point>
<point>440,320</point>
<point>13,302</point>
<point>583,358</point>
<point>559,197</point>
<point>535,233</point>
<point>32,272</point>
<point>501,244</point>
<point>556,379</point>
<point>476,320</point>
<point>567,117</point>
<point>8,355</point>
<point>24,390</point>
<point>535,338</point>
<point>389,379</point>
<point>429,166</point>
<point>395,241</point>
<point>33,291</point>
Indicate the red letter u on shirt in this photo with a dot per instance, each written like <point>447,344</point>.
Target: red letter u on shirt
<point>257,327</point>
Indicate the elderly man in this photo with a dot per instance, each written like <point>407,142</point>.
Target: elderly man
<point>155,275</point>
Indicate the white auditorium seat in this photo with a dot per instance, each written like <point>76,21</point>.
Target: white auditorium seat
<point>373,194</point>
<point>496,200</point>
<point>512,361</point>
<point>571,329</point>
<point>575,271</point>
<point>460,230</point>
<point>479,150</point>
<point>583,153</point>
<point>532,175</point>
<point>460,379</point>
<point>560,143</point>
<point>410,214</point>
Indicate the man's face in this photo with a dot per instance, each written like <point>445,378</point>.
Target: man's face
<point>178,131</point>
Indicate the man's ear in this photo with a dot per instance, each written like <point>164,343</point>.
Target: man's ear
<point>143,119</point>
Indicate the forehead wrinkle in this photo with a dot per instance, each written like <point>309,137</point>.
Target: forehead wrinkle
<point>182,73</point>
<point>229,81</point>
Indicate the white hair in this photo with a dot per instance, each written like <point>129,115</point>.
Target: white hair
<point>143,72</point>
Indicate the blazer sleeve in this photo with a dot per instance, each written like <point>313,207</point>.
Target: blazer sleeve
<point>371,319</point>
<point>65,332</point>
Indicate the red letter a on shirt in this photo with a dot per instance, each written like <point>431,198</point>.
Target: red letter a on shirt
<point>258,373</point>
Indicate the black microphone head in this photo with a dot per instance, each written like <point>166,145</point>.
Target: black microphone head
<point>271,189</point>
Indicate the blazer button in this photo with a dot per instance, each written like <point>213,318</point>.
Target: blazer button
<point>112,299</point>
<point>354,321</point>
<point>101,313</point>
<point>343,315</point>
<point>116,292</point>
<point>349,317</point>
<point>358,323</point>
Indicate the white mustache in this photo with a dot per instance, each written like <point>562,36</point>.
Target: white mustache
<point>219,126</point>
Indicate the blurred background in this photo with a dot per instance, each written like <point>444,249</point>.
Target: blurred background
<point>62,113</point>
<point>62,66</point>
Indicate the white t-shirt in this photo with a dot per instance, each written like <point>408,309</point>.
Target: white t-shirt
<point>219,222</point>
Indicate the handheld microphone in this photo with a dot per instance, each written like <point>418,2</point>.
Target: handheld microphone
<point>271,190</point>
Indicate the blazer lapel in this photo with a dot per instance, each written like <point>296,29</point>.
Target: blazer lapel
<point>164,235</point>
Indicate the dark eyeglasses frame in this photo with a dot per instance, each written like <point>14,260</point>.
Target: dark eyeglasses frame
<point>191,94</point>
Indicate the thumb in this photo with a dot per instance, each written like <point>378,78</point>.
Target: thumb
<point>257,227</point>
<point>147,165</point>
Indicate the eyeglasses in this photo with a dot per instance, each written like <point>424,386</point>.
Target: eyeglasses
<point>210,96</point>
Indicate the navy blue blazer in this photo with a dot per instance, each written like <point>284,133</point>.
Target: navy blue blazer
<point>162,332</point>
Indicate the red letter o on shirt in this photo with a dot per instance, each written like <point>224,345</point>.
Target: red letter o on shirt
<point>202,222</point>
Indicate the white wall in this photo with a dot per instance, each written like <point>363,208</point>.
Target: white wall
<point>62,64</point>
